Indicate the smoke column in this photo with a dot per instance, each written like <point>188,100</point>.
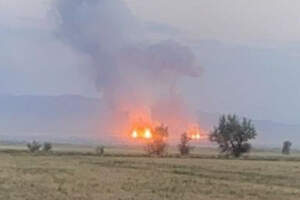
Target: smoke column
<point>136,78</point>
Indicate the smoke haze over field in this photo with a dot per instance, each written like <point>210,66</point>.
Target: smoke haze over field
<point>250,61</point>
<point>132,75</point>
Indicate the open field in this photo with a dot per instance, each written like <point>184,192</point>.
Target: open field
<point>128,174</point>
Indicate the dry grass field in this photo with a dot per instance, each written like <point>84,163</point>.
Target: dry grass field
<point>75,176</point>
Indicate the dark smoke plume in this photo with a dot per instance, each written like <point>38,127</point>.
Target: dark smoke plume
<point>131,74</point>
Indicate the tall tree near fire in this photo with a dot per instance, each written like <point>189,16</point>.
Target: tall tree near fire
<point>232,135</point>
<point>158,145</point>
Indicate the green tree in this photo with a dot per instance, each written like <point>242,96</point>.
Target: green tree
<point>157,145</point>
<point>286,148</point>
<point>232,135</point>
<point>100,150</point>
<point>34,146</point>
<point>184,147</point>
<point>47,147</point>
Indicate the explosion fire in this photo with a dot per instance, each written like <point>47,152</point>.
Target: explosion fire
<point>142,133</point>
<point>136,77</point>
<point>135,134</point>
<point>196,133</point>
<point>148,134</point>
<point>141,130</point>
<point>141,127</point>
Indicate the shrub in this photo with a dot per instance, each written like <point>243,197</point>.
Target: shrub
<point>100,150</point>
<point>232,135</point>
<point>286,148</point>
<point>157,145</point>
<point>184,147</point>
<point>47,146</point>
<point>34,146</point>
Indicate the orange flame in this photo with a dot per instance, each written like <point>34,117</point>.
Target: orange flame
<point>134,134</point>
<point>196,133</point>
<point>148,134</point>
<point>142,133</point>
<point>141,125</point>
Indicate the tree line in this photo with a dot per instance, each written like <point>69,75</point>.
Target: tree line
<point>232,135</point>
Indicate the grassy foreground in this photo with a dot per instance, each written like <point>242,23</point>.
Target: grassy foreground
<point>87,177</point>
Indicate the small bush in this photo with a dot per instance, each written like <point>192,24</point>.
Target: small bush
<point>34,146</point>
<point>157,145</point>
<point>184,147</point>
<point>100,150</point>
<point>286,149</point>
<point>47,147</point>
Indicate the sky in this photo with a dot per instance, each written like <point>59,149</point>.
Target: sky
<point>249,50</point>
<point>244,21</point>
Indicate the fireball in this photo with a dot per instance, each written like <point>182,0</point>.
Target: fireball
<point>142,133</point>
<point>196,133</point>
<point>148,134</point>
<point>196,136</point>
<point>134,134</point>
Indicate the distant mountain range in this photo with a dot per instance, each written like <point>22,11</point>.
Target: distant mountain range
<point>67,117</point>
<point>70,118</point>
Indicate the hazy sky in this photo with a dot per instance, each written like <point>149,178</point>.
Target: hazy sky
<point>238,76</point>
<point>238,21</point>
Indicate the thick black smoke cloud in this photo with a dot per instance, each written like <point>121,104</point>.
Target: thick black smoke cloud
<point>130,73</point>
